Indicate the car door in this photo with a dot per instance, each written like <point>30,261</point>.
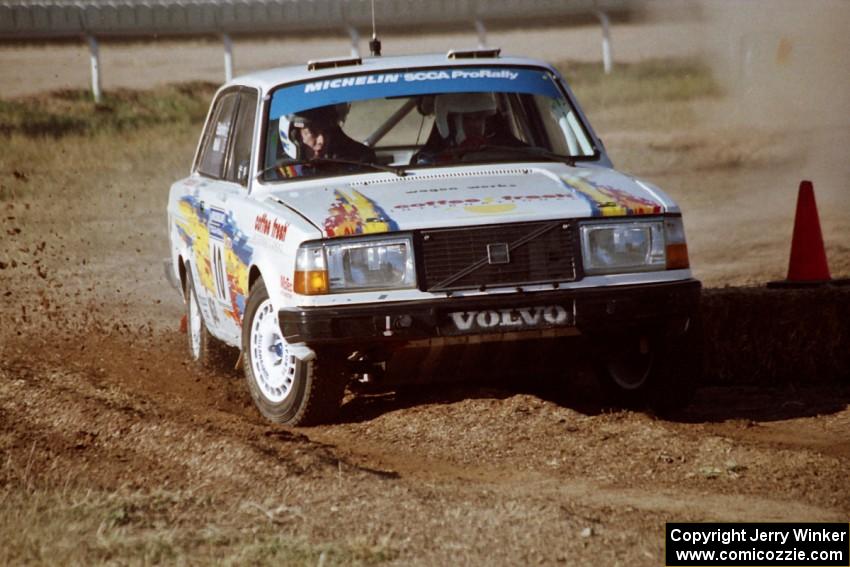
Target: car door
<point>225,201</point>
<point>208,247</point>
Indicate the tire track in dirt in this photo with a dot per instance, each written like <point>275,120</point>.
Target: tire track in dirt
<point>103,398</point>
<point>724,468</point>
<point>672,501</point>
<point>441,473</point>
<point>155,423</point>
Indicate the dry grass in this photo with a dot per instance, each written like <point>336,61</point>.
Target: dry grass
<point>660,80</point>
<point>66,112</point>
<point>79,526</point>
<point>90,166</point>
<point>60,517</point>
<point>651,95</point>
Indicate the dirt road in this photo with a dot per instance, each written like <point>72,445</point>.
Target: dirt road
<point>112,448</point>
<point>445,476</point>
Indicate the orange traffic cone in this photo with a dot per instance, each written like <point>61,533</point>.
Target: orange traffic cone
<point>808,265</point>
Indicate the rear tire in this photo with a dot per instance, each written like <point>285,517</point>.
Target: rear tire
<point>284,388</point>
<point>204,349</point>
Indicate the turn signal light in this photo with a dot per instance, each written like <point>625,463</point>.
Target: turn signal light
<point>312,282</point>
<point>677,256</point>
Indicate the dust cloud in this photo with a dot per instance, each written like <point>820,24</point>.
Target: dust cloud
<point>784,61</point>
<point>784,67</point>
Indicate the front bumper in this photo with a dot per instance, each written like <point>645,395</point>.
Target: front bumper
<point>585,311</point>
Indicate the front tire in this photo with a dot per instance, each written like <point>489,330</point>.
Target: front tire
<point>285,389</point>
<point>658,371</point>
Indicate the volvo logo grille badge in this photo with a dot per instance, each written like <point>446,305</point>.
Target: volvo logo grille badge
<point>498,253</point>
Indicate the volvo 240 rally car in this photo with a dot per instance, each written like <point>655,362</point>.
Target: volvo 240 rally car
<point>399,216</point>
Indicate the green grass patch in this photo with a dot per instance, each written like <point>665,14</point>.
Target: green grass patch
<point>70,112</point>
<point>661,80</point>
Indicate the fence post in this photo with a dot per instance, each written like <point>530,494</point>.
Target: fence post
<point>94,56</point>
<point>354,35</point>
<point>482,33</point>
<point>228,57</point>
<point>607,58</point>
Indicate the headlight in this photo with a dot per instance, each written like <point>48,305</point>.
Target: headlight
<point>634,246</point>
<point>623,247</point>
<point>355,265</point>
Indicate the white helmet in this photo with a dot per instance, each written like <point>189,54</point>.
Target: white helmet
<point>450,108</point>
<point>290,146</point>
<point>327,116</point>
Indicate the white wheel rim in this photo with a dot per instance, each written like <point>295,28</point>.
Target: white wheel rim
<point>194,325</point>
<point>272,364</point>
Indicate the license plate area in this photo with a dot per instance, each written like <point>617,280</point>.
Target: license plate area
<point>507,319</point>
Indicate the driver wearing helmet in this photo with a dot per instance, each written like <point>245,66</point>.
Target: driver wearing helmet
<point>464,121</point>
<point>315,134</point>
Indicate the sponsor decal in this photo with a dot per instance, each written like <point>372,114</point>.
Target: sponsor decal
<point>408,83</point>
<point>411,77</point>
<point>215,222</point>
<point>344,82</point>
<point>606,201</point>
<point>516,318</point>
<point>271,227</point>
<point>286,284</point>
<point>489,206</point>
<point>206,232</point>
<point>485,205</point>
<point>494,186</point>
<point>356,214</point>
<point>432,190</point>
<point>437,204</point>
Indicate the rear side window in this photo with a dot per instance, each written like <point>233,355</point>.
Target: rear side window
<point>240,162</point>
<point>217,136</point>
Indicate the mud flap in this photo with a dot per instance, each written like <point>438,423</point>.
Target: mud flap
<point>302,352</point>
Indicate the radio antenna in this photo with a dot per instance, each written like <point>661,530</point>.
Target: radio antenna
<point>375,43</point>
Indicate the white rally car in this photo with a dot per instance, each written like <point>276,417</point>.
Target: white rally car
<point>410,218</point>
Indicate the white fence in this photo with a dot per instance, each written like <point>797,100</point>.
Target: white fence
<point>58,19</point>
<point>92,20</point>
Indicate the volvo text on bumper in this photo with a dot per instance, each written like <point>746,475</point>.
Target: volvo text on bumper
<point>585,310</point>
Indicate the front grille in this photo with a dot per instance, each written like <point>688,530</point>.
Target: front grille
<point>457,258</point>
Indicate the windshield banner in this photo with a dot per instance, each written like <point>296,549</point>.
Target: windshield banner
<point>334,90</point>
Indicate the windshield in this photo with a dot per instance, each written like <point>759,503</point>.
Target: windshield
<point>420,118</point>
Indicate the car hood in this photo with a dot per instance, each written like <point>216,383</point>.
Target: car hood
<point>446,197</point>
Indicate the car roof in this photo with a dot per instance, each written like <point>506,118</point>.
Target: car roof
<point>271,78</point>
